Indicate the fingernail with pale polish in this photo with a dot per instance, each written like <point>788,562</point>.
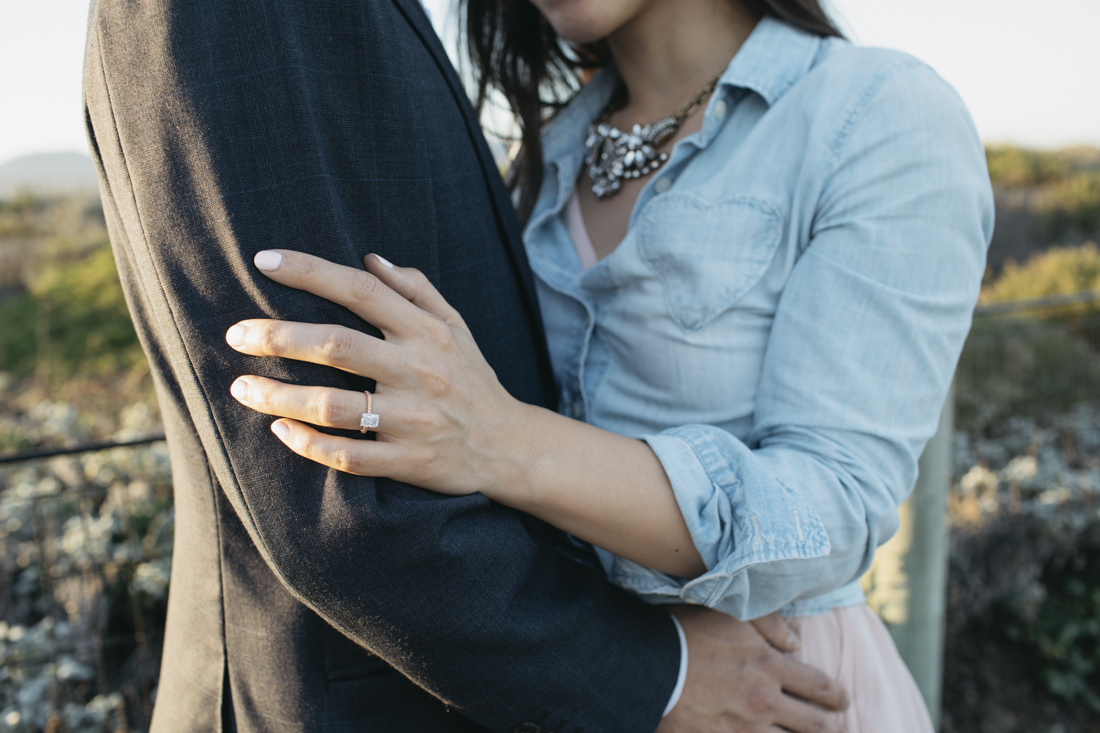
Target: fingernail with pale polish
<point>236,335</point>
<point>384,261</point>
<point>268,261</point>
<point>239,390</point>
<point>793,641</point>
<point>281,430</point>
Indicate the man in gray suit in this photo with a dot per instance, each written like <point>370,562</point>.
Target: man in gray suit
<point>303,598</point>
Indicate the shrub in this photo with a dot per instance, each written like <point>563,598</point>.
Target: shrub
<point>1043,197</point>
<point>1041,363</point>
<point>85,557</point>
<point>1064,629</point>
<point>1023,621</point>
<point>1057,271</point>
<point>1071,205</point>
<point>1023,367</point>
<point>20,215</point>
<point>1012,166</point>
<point>74,318</point>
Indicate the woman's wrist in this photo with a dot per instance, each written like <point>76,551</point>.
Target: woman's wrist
<point>600,487</point>
<point>509,474</point>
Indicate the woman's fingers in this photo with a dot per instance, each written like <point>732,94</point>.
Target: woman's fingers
<point>414,286</point>
<point>335,346</point>
<point>360,292</point>
<point>362,457</point>
<point>330,408</point>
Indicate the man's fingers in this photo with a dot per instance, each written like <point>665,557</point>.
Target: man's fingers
<point>799,716</point>
<point>414,286</point>
<point>777,631</point>
<point>334,346</point>
<point>360,292</point>
<point>812,684</point>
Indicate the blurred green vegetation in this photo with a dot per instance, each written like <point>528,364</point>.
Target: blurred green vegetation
<point>19,216</point>
<point>1030,380</point>
<point>64,314</point>
<point>1056,271</point>
<point>73,320</point>
<point>1024,367</point>
<point>1014,167</point>
<point>1057,191</point>
<point>1063,628</point>
<point>1038,363</point>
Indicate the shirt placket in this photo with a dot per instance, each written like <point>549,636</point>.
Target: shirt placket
<point>572,399</point>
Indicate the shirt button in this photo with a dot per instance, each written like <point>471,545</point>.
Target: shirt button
<point>662,185</point>
<point>719,109</point>
<point>578,410</point>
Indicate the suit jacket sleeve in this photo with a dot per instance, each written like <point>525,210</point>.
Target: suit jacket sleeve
<point>222,128</point>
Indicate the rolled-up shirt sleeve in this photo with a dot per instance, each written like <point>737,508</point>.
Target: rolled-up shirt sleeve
<point>862,350</point>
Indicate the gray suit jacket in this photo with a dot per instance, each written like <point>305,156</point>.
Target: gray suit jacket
<point>302,598</point>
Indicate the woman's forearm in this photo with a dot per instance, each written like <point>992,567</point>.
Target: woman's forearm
<point>600,487</point>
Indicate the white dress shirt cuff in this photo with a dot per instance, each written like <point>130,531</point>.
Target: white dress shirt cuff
<point>679,688</point>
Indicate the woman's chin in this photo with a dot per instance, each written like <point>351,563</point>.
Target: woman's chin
<point>577,24</point>
<point>580,33</point>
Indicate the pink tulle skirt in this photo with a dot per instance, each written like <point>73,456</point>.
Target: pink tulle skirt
<point>853,647</point>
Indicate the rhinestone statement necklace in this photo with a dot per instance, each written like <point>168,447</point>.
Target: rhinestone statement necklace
<point>613,155</point>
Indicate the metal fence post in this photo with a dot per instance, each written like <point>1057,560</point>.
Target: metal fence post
<point>907,583</point>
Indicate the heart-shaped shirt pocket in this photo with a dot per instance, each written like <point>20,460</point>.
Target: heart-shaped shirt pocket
<point>707,255</point>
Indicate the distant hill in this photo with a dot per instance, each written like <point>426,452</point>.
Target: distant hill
<point>48,173</point>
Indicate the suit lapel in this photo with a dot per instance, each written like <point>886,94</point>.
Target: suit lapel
<point>505,214</point>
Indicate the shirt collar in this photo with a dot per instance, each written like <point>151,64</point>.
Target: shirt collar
<point>772,59</point>
<point>558,136</point>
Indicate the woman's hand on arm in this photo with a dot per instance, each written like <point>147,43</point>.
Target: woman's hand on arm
<point>443,412</point>
<point>446,422</point>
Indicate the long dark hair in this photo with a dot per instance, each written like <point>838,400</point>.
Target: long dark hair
<point>513,50</point>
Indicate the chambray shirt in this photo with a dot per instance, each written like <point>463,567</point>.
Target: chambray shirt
<point>782,321</point>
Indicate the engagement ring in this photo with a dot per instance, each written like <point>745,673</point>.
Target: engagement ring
<point>368,420</point>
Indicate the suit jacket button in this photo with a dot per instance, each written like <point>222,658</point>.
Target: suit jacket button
<point>527,728</point>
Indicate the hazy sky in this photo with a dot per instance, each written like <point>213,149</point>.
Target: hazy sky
<point>1029,71</point>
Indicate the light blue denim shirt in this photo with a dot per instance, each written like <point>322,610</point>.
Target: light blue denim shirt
<point>782,321</point>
